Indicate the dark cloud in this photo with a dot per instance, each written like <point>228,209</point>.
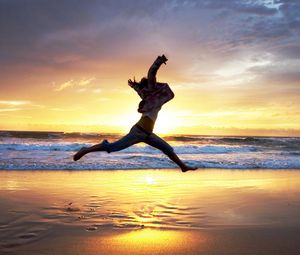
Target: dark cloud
<point>248,7</point>
<point>277,75</point>
<point>206,34</point>
<point>77,25</point>
<point>283,78</point>
<point>24,22</point>
<point>290,10</point>
<point>289,51</point>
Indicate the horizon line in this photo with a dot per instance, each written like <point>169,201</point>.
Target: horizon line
<point>171,134</point>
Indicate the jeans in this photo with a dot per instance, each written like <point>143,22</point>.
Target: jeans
<point>137,135</point>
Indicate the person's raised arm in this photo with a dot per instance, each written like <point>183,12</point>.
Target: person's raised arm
<point>153,70</point>
<point>133,84</point>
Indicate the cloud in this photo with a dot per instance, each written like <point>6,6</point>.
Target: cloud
<point>279,71</point>
<point>14,102</point>
<point>9,109</point>
<point>13,105</point>
<point>48,34</point>
<point>58,109</point>
<point>73,83</point>
<point>202,39</point>
<point>96,91</point>
<point>284,78</point>
<point>289,51</point>
<point>17,105</point>
<point>247,7</point>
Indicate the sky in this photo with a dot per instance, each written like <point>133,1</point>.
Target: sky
<point>233,65</point>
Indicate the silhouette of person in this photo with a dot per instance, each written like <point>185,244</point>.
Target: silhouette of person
<point>154,95</point>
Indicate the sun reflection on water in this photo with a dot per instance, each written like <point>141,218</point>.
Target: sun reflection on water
<point>156,198</point>
<point>145,240</point>
<point>150,180</point>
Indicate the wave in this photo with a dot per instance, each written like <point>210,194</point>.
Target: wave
<point>55,135</point>
<point>141,162</point>
<point>54,150</point>
<point>30,134</point>
<point>181,149</point>
<point>21,137</point>
<point>259,143</point>
<point>41,147</point>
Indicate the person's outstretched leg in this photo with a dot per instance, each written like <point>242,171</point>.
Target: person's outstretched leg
<point>133,137</point>
<point>156,142</point>
<point>86,150</point>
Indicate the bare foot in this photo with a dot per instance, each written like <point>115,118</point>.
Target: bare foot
<point>79,154</point>
<point>188,168</point>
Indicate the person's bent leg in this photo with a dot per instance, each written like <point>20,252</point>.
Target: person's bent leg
<point>157,142</point>
<point>131,138</point>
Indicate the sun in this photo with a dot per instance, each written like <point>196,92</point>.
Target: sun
<point>166,123</point>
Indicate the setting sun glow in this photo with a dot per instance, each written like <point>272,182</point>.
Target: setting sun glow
<point>228,76</point>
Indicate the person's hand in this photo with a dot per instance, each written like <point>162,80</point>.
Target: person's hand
<point>164,59</point>
<point>131,83</point>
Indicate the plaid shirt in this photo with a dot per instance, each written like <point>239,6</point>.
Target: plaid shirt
<point>155,94</point>
<point>155,98</point>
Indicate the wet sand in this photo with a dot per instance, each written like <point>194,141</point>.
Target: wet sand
<point>150,212</point>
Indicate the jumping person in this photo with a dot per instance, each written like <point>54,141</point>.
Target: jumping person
<point>154,95</point>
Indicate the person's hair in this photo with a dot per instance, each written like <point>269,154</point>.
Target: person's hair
<point>143,83</point>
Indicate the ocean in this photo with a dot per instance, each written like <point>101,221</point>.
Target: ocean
<point>20,150</point>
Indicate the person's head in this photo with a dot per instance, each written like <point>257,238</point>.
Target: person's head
<point>143,83</point>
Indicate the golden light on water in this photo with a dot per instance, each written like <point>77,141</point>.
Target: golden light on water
<point>157,198</point>
<point>150,180</point>
<point>146,241</point>
<point>149,237</point>
<point>150,210</point>
<point>143,241</point>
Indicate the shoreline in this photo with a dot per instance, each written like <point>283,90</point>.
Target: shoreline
<point>153,169</point>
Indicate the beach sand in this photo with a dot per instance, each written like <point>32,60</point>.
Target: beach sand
<point>150,212</point>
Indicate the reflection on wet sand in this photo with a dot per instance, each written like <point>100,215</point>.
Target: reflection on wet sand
<point>144,207</point>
